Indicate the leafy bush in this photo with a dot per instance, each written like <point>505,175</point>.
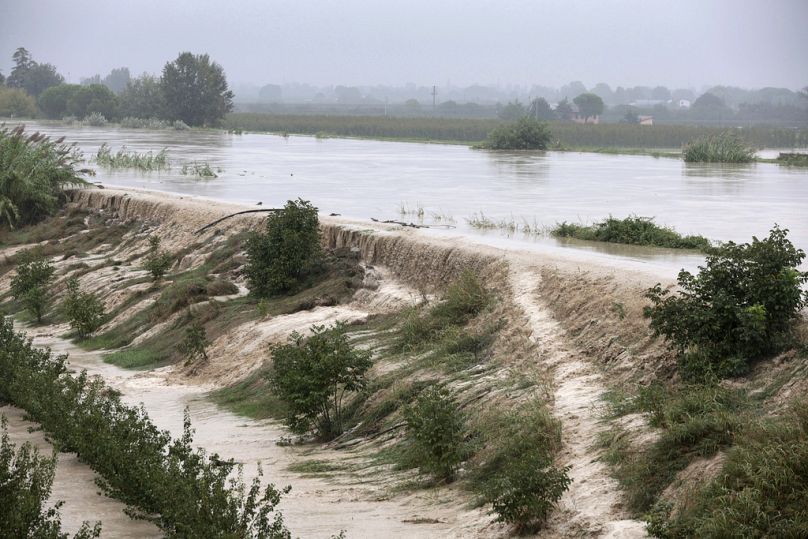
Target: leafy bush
<point>184,491</point>
<point>84,309</point>
<point>724,147</point>
<point>518,476</point>
<point>34,170</point>
<point>740,306</point>
<point>30,285</point>
<point>195,344</point>
<point>130,122</point>
<point>436,432</point>
<point>524,134</point>
<point>313,375</point>
<point>632,230</point>
<point>157,262</point>
<point>201,170</point>
<point>289,251</point>
<point>762,490</point>
<point>26,479</point>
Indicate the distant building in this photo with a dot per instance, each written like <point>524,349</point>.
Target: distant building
<point>645,120</point>
<point>684,103</point>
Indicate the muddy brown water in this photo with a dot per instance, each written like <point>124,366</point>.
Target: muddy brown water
<point>365,178</point>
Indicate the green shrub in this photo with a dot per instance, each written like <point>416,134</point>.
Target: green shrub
<point>157,262</point>
<point>741,305</point>
<point>436,433</point>
<point>632,230</point>
<point>524,134</point>
<point>288,252</point>
<point>34,170</point>
<point>313,375</point>
<point>726,147</point>
<point>84,310</point>
<point>518,476</point>
<point>30,285</point>
<point>793,159</point>
<point>195,344</point>
<point>26,479</point>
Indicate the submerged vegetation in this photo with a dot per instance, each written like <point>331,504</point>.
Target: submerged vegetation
<point>127,159</point>
<point>34,171</point>
<point>726,147</point>
<point>182,490</point>
<point>524,134</point>
<point>26,480</point>
<point>793,159</point>
<point>200,170</point>
<point>632,230</point>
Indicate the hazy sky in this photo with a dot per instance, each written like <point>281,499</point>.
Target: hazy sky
<point>682,43</point>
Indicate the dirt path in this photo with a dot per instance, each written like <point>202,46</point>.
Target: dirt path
<point>592,504</point>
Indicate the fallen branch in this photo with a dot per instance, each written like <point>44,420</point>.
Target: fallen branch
<point>217,221</point>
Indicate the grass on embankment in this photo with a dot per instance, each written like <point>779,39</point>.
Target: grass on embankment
<point>632,230</point>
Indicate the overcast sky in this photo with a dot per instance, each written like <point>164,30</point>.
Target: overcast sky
<point>682,43</point>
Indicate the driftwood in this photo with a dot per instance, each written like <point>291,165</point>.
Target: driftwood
<point>410,225</point>
<point>217,221</point>
<point>267,210</point>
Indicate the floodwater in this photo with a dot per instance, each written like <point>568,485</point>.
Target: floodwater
<point>316,507</point>
<point>371,179</point>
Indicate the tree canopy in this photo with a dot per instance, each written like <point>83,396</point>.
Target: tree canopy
<point>195,90</point>
<point>31,76</point>
<point>589,105</point>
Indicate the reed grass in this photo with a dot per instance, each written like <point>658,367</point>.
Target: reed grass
<point>125,159</point>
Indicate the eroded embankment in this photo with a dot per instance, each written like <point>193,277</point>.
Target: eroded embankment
<point>531,357</point>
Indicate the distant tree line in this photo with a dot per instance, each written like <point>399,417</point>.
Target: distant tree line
<point>192,89</point>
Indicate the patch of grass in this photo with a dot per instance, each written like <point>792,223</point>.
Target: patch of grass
<point>793,159</point>
<point>199,169</point>
<point>761,491</point>
<point>251,397</point>
<point>694,421</point>
<point>632,230</point>
<point>138,358</point>
<point>726,147</point>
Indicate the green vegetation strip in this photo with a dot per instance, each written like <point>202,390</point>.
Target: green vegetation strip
<point>185,492</point>
<point>632,230</point>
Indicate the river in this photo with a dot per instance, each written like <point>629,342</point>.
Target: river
<point>365,178</point>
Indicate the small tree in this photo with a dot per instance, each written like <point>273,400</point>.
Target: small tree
<point>195,90</point>
<point>195,345</point>
<point>741,305</point>
<point>436,431</point>
<point>26,480</point>
<point>525,134</point>
<point>30,285</point>
<point>589,105</point>
<point>158,262</point>
<point>289,250</point>
<point>84,309</point>
<point>313,375</point>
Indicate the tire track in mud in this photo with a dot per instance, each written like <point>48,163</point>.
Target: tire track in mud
<point>592,505</point>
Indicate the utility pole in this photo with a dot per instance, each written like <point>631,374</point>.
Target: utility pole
<point>434,96</point>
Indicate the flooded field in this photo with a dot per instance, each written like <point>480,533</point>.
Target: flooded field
<point>364,179</point>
